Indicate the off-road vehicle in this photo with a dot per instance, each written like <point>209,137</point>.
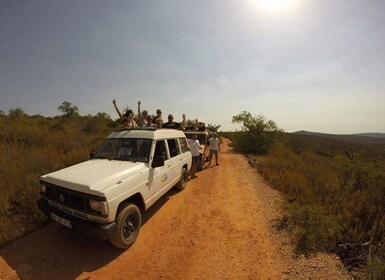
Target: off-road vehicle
<point>106,195</point>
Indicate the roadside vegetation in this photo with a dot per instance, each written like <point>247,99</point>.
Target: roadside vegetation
<point>31,146</point>
<point>335,190</point>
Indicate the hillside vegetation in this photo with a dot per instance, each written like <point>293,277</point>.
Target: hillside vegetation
<point>31,146</point>
<point>335,191</point>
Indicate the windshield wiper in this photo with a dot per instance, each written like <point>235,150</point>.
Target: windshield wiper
<point>114,158</point>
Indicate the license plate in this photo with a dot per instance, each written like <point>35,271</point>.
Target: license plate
<point>61,221</point>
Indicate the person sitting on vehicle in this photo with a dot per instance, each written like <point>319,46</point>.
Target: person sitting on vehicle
<point>142,119</point>
<point>159,122</point>
<point>171,124</point>
<point>149,122</point>
<point>158,116</point>
<point>128,117</point>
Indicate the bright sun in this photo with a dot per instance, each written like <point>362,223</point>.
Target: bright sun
<point>274,5</point>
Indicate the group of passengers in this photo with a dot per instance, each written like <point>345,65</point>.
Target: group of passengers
<point>145,120</point>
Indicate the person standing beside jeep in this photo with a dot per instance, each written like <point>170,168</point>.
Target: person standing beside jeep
<point>214,148</point>
<point>195,146</point>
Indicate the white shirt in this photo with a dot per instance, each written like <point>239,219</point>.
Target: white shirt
<point>214,144</point>
<point>194,147</point>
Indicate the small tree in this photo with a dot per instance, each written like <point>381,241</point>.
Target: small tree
<point>103,115</point>
<point>257,135</point>
<point>16,112</point>
<point>68,109</point>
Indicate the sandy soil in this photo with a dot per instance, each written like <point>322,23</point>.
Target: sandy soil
<point>220,227</point>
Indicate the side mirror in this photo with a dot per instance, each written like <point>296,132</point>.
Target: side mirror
<point>158,161</point>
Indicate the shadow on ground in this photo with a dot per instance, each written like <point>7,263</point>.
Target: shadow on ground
<point>55,252</point>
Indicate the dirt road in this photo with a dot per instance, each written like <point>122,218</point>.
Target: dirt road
<point>219,227</point>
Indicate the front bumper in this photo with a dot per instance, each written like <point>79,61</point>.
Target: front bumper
<point>102,231</point>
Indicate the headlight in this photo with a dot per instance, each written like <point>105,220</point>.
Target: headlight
<point>42,188</point>
<point>99,206</point>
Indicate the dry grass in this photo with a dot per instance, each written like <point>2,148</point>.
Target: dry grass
<point>31,146</point>
<point>336,194</point>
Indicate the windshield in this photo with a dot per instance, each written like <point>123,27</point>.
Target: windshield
<point>126,149</point>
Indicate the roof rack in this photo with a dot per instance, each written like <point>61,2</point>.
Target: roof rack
<point>139,128</point>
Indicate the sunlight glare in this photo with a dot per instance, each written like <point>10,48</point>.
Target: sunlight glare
<point>274,5</point>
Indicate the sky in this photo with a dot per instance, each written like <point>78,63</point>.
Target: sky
<point>316,65</point>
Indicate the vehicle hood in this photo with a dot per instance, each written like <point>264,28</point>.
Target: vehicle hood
<point>93,176</point>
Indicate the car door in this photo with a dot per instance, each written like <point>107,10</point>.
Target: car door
<point>175,158</point>
<point>161,174</point>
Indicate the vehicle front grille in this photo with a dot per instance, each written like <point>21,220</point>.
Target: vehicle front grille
<point>70,199</point>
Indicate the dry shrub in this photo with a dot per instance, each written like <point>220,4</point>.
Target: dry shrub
<point>336,198</point>
<point>313,229</point>
<point>376,265</point>
<point>31,147</point>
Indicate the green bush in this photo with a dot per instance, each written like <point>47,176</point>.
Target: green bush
<point>257,136</point>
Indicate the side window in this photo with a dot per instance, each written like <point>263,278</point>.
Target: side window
<point>183,145</point>
<point>160,149</point>
<point>173,147</point>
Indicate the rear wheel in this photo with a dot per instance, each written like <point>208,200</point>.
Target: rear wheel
<point>181,185</point>
<point>128,224</point>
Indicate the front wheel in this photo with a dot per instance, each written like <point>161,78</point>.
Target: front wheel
<point>181,185</point>
<point>128,224</point>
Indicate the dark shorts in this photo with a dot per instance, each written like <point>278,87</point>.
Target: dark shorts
<point>195,160</point>
<point>214,152</point>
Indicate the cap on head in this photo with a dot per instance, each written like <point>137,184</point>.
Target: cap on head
<point>170,116</point>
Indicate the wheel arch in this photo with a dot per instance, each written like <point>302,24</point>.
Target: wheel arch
<point>136,199</point>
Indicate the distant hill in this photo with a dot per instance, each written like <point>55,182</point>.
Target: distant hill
<point>377,135</point>
<point>362,138</point>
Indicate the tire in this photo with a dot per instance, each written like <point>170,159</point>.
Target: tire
<point>128,224</point>
<point>181,185</point>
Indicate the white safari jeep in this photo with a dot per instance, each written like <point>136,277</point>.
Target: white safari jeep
<point>105,195</point>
